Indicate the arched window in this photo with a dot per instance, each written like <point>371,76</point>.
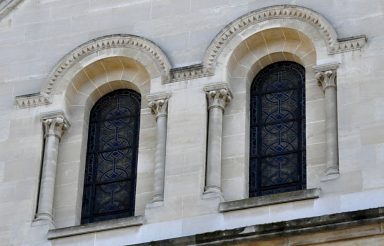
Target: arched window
<point>110,173</point>
<point>277,130</point>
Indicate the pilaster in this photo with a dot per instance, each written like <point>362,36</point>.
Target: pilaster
<point>159,107</point>
<point>218,97</point>
<point>54,126</point>
<point>326,76</point>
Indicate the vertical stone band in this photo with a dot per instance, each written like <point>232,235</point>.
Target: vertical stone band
<point>326,76</point>
<point>218,96</point>
<point>159,107</point>
<point>54,126</point>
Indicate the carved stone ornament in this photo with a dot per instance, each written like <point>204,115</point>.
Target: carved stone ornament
<point>334,44</point>
<point>158,103</point>
<point>54,124</point>
<point>326,75</point>
<point>189,72</point>
<point>207,67</point>
<point>218,96</point>
<point>86,49</point>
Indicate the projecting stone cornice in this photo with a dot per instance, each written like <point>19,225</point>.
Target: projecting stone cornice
<point>333,43</point>
<point>6,6</point>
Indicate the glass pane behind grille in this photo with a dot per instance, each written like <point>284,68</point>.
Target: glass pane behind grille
<point>110,173</point>
<point>277,133</point>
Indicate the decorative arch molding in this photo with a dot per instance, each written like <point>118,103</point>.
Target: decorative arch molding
<point>222,41</point>
<point>86,50</point>
<point>333,43</point>
<point>7,6</point>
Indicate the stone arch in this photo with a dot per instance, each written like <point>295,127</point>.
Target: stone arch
<point>266,47</point>
<point>142,50</point>
<point>316,27</point>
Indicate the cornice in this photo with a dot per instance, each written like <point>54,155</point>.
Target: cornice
<point>32,100</point>
<point>334,45</point>
<point>6,6</point>
<point>326,67</point>
<point>189,72</point>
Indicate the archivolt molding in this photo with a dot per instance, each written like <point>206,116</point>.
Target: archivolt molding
<point>207,68</point>
<point>107,42</point>
<point>334,45</point>
<point>93,46</point>
<point>6,6</point>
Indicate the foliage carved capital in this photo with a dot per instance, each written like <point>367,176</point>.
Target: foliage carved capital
<point>158,103</point>
<point>218,95</point>
<point>54,124</point>
<point>326,75</point>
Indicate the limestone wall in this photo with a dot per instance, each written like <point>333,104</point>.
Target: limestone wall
<point>37,35</point>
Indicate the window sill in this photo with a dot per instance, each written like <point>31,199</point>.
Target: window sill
<point>270,200</point>
<point>95,227</point>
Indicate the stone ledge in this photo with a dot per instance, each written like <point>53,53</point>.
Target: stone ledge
<point>290,230</point>
<point>269,200</point>
<point>95,227</point>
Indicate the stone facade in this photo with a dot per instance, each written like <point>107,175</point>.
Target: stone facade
<point>193,62</point>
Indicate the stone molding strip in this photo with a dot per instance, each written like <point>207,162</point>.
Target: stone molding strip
<point>32,100</point>
<point>189,72</point>
<point>334,45</point>
<point>269,200</point>
<point>95,227</point>
<point>6,7</point>
<point>291,229</point>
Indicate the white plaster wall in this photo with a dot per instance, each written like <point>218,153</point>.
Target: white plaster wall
<point>35,36</point>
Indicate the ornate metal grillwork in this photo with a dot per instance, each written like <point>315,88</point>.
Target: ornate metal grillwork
<point>277,133</point>
<point>110,173</point>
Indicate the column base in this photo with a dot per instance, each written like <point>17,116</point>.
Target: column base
<point>155,204</point>
<point>157,201</point>
<point>330,174</point>
<point>213,193</point>
<point>44,220</point>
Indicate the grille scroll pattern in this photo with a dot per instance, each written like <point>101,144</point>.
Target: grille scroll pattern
<point>110,173</point>
<point>277,130</point>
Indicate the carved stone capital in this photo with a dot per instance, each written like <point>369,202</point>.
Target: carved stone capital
<point>218,96</point>
<point>159,104</point>
<point>55,124</point>
<point>326,75</point>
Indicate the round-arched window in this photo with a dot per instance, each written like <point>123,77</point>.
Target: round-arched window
<point>110,173</point>
<point>277,130</point>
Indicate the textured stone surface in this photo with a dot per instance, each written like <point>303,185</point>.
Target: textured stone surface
<point>171,42</point>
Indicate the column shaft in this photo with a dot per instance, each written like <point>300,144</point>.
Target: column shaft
<point>48,176</point>
<point>213,182</point>
<point>160,158</point>
<point>331,131</point>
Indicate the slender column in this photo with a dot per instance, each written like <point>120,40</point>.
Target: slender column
<point>159,107</point>
<point>326,77</point>
<point>218,97</point>
<point>54,125</point>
